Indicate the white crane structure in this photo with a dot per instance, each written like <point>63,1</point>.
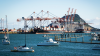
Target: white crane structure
<point>34,18</point>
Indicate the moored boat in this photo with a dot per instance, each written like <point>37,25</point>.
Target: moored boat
<point>5,42</point>
<point>22,49</point>
<point>48,42</point>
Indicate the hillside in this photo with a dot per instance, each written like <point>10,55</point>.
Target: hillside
<point>77,19</point>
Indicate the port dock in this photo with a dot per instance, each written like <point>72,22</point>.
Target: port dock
<point>75,38</point>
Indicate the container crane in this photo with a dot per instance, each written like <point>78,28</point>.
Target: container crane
<point>70,16</point>
<point>74,15</point>
<point>33,18</point>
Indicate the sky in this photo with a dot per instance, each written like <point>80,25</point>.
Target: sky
<point>89,10</point>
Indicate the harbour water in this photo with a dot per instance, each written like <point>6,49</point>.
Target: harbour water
<point>64,49</point>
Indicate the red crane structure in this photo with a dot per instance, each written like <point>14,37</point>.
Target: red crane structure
<point>70,16</point>
<point>74,15</point>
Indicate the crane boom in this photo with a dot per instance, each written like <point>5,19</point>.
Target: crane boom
<point>71,15</point>
<point>74,14</point>
<point>68,14</point>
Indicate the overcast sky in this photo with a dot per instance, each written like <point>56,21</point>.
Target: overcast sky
<point>89,10</point>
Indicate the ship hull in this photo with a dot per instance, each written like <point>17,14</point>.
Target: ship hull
<point>40,31</point>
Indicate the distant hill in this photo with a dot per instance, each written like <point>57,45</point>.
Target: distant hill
<point>77,19</point>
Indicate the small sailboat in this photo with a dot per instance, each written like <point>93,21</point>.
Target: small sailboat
<point>45,35</point>
<point>48,42</point>
<point>94,37</point>
<point>6,40</point>
<point>23,48</point>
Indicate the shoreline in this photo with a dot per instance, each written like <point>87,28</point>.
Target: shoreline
<point>31,33</point>
<point>26,33</point>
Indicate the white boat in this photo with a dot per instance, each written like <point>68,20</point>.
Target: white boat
<point>44,35</point>
<point>5,42</point>
<point>48,42</point>
<point>96,47</point>
<point>94,34</point>
<point>94,39</point>
<point>23,48</point>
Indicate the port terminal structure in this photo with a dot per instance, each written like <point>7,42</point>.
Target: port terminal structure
<point>40,19</point>
<point>74,38</point>
<point>2,23</point>
<point>67,24</point>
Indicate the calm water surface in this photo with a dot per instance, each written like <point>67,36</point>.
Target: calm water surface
<point>64,49</point>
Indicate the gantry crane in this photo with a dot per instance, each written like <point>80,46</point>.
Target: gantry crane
<point>34,18</point>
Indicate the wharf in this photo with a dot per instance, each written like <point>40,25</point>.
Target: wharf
<point>80,42</point>
<point>68,37</point>
<point>26,33</point>
<point>9,32</point>
<point>48,33</point>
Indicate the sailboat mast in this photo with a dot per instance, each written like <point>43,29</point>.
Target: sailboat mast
<point>6,22</point>
<point>6,25</point>
<point>25,38</point>
<point>25,32</point>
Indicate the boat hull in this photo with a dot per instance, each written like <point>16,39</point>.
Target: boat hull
<point>47,44</point>
<point>6,43</point>
<point>35,31</point>
<point>25,50</point>
<point>22,50</point>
